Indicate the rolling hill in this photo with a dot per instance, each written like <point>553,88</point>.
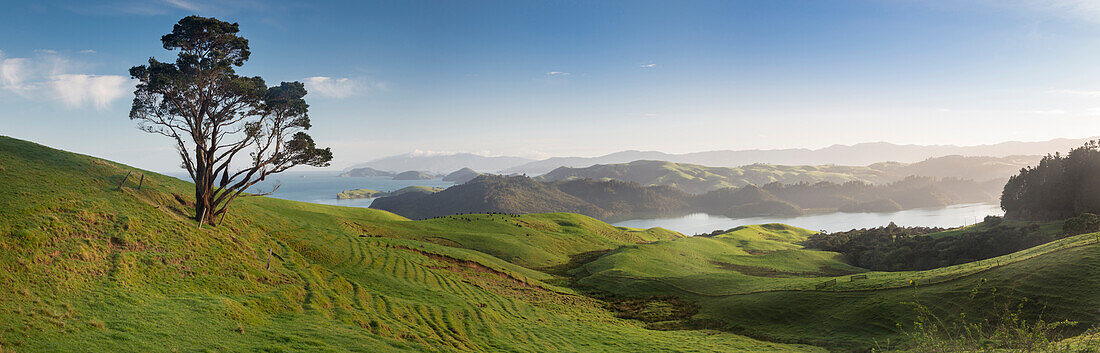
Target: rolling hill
<point>461,176</point>
<point>93,262</point>
<point>758,281</point>
<point>89,266</point>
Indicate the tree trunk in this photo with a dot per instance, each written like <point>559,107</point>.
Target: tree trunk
<point>204,189</point>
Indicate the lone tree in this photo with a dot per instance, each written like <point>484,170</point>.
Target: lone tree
<point>230,131</point>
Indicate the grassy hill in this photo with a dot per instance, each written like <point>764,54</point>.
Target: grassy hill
<point>758,281</point>
<point>461,176</point>
<point>368,193</point>
<point>91,267</point>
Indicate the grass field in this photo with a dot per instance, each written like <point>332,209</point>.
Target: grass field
<point>88,267</point>
<point>1051,228</point>
<point>757,281</point>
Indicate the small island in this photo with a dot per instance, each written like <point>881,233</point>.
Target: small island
<point>366,172</point>
<point>358,194</point>
<point>368,193</point>
<point>412,175</point>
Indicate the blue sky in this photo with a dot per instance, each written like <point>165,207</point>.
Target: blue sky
<point>557,78</point>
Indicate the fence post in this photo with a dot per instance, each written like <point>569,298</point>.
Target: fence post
<point>142,181</point>
<point>123,180</point>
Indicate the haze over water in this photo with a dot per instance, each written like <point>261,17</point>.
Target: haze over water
<point>947,217</point>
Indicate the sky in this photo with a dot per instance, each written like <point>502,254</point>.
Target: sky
<point>580,78</point>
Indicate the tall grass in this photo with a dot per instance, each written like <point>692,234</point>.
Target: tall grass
<point>1014,329</point>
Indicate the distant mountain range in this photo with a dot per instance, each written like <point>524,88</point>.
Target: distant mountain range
<point>697,179</point>
<point>861,154</point>
<point>855,155</point>
<point>442,164</point>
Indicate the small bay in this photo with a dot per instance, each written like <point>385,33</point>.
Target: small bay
<point>947,216</point>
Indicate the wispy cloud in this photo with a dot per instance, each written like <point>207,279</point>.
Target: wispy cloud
<point>186,5</point>
<point>647,66</point>
<point>1088,10</point>
<point>1076,92</point>
<point>167,7</point>
<point>557,73</point>
<point>48,76</point>
<point>1049,112</point>
<point>342,87</point>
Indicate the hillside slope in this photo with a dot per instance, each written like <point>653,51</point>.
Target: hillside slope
<point>758,281</point>
<point>88,266</point>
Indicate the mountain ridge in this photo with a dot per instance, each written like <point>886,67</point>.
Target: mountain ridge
<point>859,154</point>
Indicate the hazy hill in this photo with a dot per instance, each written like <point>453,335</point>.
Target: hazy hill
<point>612,200</point>
<point>699,179</point>
<point>461,176</point>
<point>443,163</point>
<point>412,175</point>
<point>964,167</point>
<point>489,193</point>
<point>366,172</point>
<point>857,155</point>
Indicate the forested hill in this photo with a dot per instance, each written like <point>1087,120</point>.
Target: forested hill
<point>611,200</point>
<point>1059,187</point>
<point>698,179</point>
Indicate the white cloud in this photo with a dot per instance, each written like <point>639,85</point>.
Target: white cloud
<point>429,153</point>
<point>648,66</point>
<point>557,73</point>
<point>12,73</point>
<point>76,90</point>
<point>87,51</point>
<point>1049,112</point>
<point>49,76</point>
<point>334,87</point>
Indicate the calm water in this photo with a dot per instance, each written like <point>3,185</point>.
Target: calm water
<point>322,187</point>
<point>950,216</point>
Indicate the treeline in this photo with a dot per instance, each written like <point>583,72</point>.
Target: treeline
<point>910,192</point>
<point>610,200</point>
<point>1061,186</point>
<point>893,248</point>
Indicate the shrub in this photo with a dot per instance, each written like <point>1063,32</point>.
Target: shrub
<point>1083,223</point>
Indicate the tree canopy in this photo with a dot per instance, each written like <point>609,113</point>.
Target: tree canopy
<point>230,131</point>
<point>1060,187</point>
